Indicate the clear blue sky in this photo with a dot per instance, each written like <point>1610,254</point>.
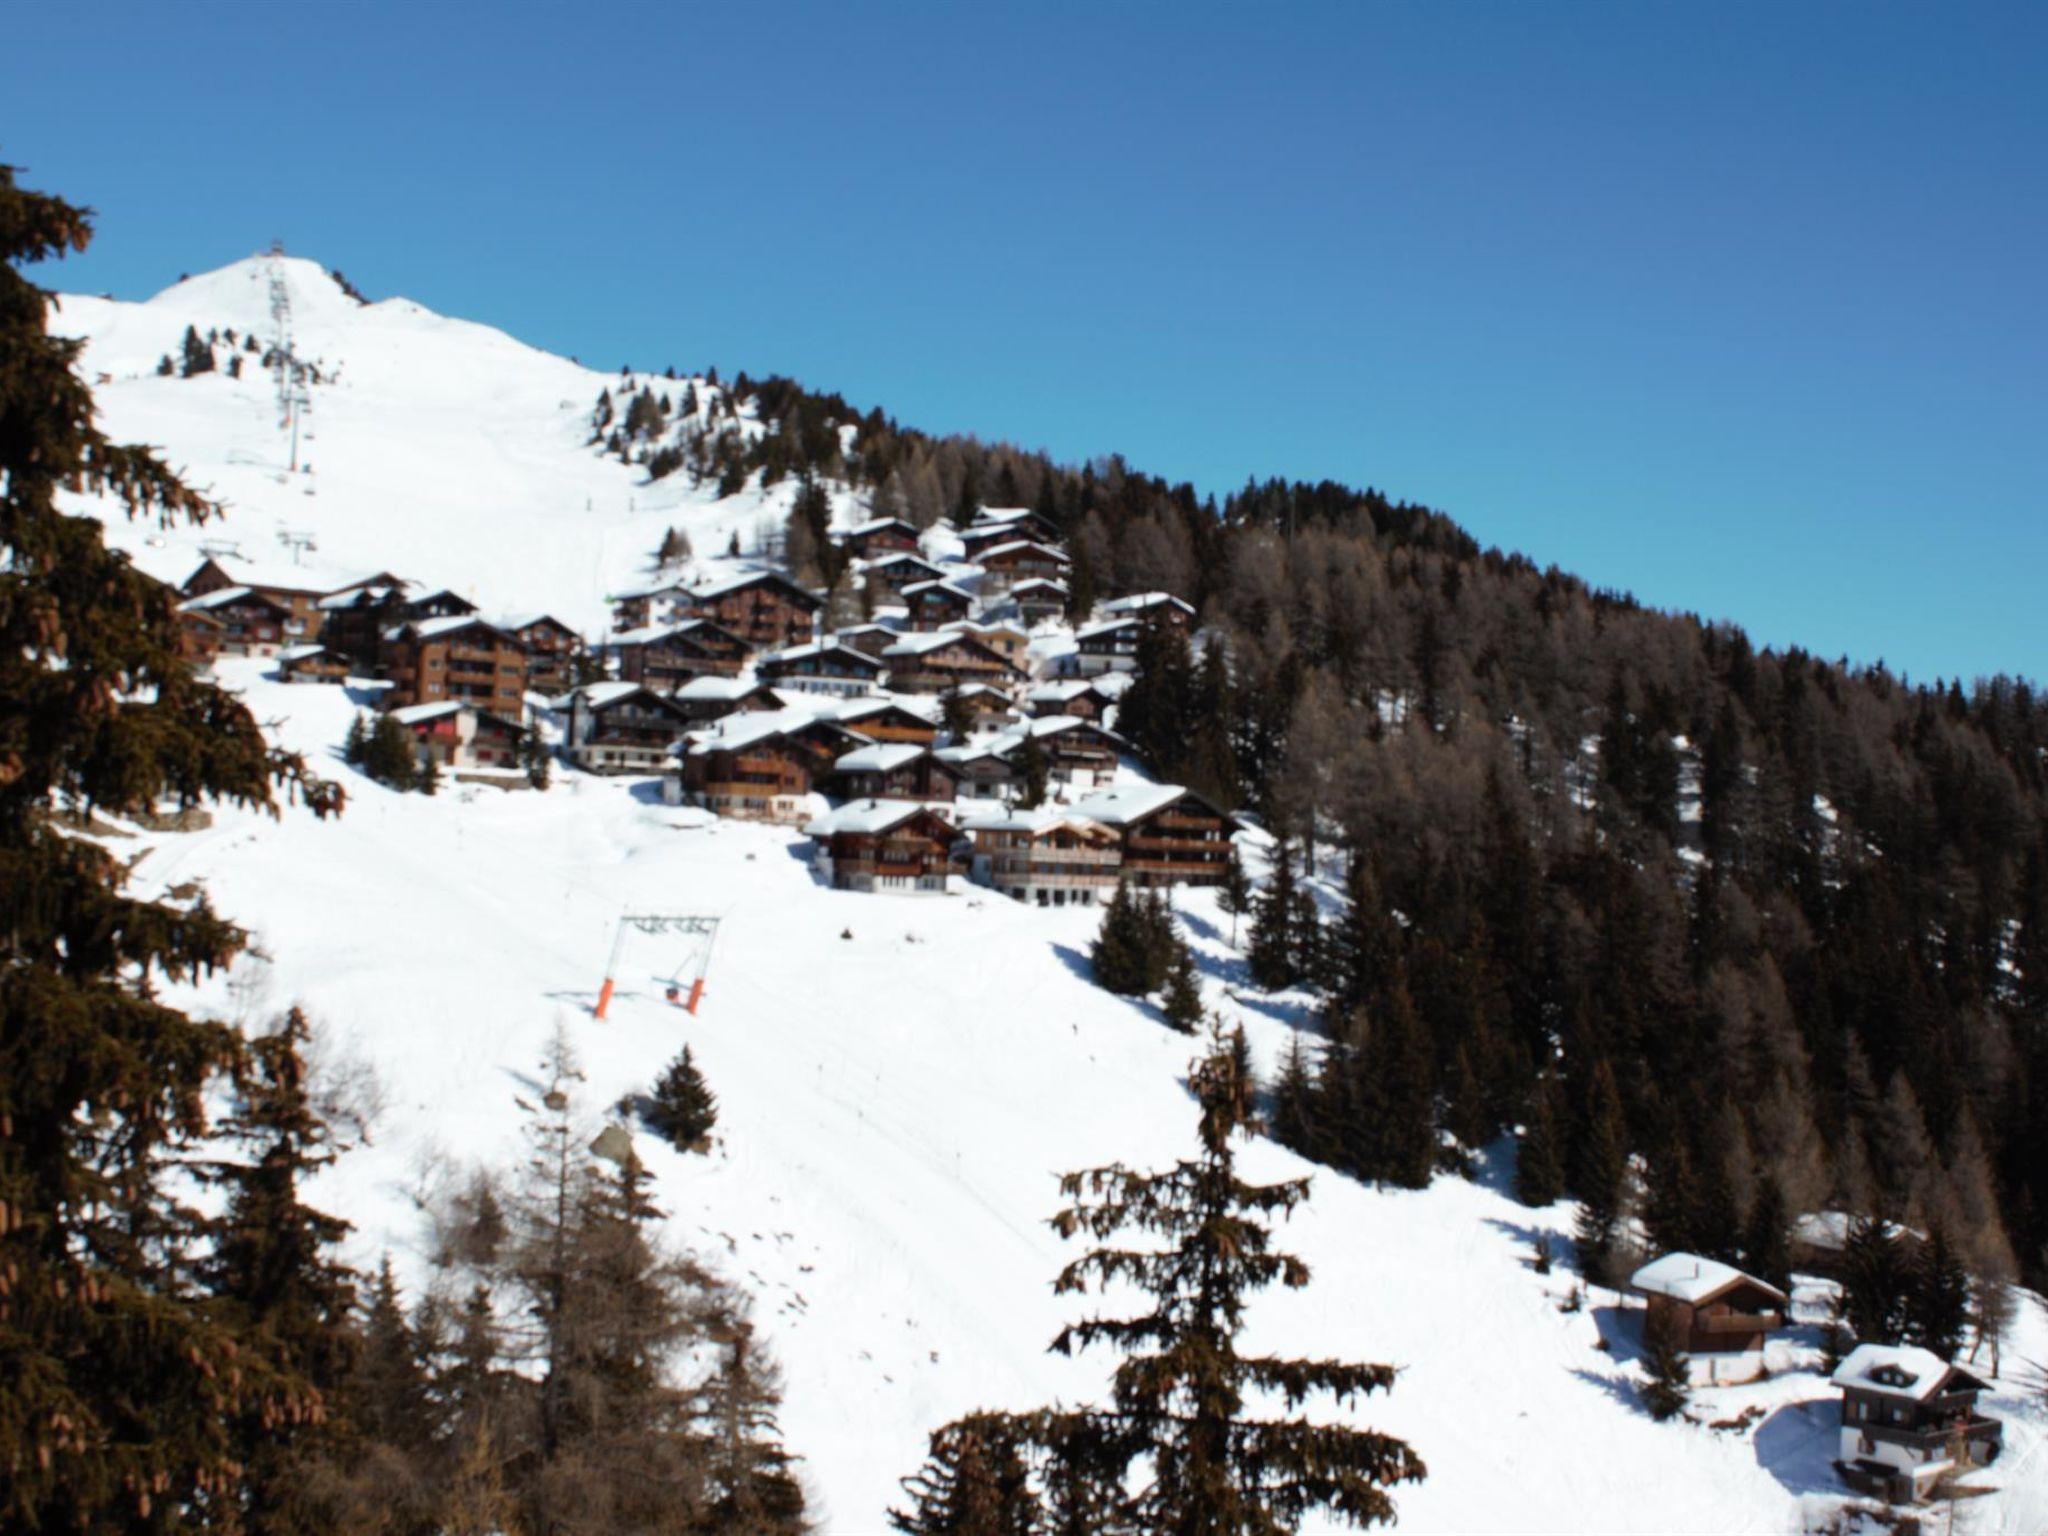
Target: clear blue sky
<point>1739,307</point>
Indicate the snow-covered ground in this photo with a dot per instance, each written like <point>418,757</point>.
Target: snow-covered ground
<point>901,1079</point>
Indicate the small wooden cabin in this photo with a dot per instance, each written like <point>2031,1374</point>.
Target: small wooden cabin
<point>708,698</point>
<point>1909,1419</point>
<point>1724,1316</point>
<point>1078,753</point>
<point>1111,646</point>
<point>311,664</point>
<point>766,609</point>
<point>823,666</point>
<point>665,656</point>
<point>1004,565</point>
<point>1039,599</point>
<point>885,720</point>
<point>893,573</point>
<point>249,623</point>
<point>763,767</point>
<point>621,727</point>
<point>933,604</point>
<point>932,663</point>
<point>456,736</point>
<point>553,650</point>
<point>879,536</point>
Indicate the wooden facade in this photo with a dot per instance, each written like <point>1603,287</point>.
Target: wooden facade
<point>458,736</point>
<point>880,536</point>
<point>1077,752</point>
<point>456,658</point>
<point>948,659</point>
<point>1004,565</point>
<point>1909,1420</point>
<point>1170,835</point>
<point>666,656</point>
<point>1046,857</point>
<point>823,666</point>
<point>1111,646</point>
<point>893,573</point>
<point>311,664</point>
<point>894,849</point>
<point>767,610</point>
<point>554,652</point>
<point>895,771</point>
<point>242,621</point>
<point>623,728</point>
<point>884,721</point>
<point>935,604</point>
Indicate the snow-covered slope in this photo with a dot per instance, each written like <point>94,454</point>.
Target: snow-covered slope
<point>900,1079</point>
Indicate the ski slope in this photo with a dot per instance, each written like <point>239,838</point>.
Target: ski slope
<point>900,1079</point>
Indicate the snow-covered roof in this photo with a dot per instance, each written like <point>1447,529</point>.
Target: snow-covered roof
<point>224,597</point>
<point>917,645</point>
<point>860,709</point>
<point>597,695</point>
<point>1002,515</point>
<point>1063,692</point>
<point>877,524</point>
<point>414,714</point>
<point>917,587</point>
<point>1036,822</point>
<point>427,629</point>
<point>1145,602</point>
<point>865,816</point>
<point>300,652</point>
<point>518,621</point>
<point>880,758</point>
<point>1689,1277</point>
<point>1018,545</point>
<point>1125,803</point>
<point>350,596</point>
<point>859,660</point>
<point>731,584</point>
<point>288,578</point>
<point>738,731</point>
<point>1902,1370</point>
<point>654,634</point>
<point>1106,627</point>
<point>712,687</point>
<point>1035,583</point>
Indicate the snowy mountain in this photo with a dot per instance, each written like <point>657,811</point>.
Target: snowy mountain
<point>900,1079</point>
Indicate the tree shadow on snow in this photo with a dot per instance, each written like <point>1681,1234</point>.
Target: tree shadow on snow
<point>1623,1392</point>
<point>1299,1016</point>
<point>1797,1444</point>
<point>1563,1259</point>
<point>1621,1330</point>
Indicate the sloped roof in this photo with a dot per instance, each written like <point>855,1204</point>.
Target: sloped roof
<point>917,645</point>
<point>712,686</point>
<point>877,524</point>
<point>598,695</point>
<point>1106,627</point>
<point>1144,602</point>
<point>880,758</point>
<point>1037,822</point>
<point>429,629</point>
<point>918,587</point>
<point>227,597</point>
<point>415,714</point>
<point>867,816</point>
<point>1019,545</point>
<point>1123,804</point>
<point>731,584</point>
<point>1901,1370</point>
<point>1690,1278</point>
<point>860,661</point>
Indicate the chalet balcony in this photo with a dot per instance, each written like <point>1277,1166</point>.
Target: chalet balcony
<point>1197,849</point>
<point>1978,1431</point>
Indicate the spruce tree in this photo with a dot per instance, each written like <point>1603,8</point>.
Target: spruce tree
<point>1126,956</point>
<point>273,1267</point>
<point>1539,1161</point>
<point>1273,951</point>
<point>1937,1301</point>
<point>1767,1235</point>
<point>1399,1059</point>
<point>956,715</point>
<point>1032,774</point>
<point>683,1109</point>
<point>754,1492</point>
<point>197,355</point>
<point>1875,1281</point>
<point>121,1388</point>
<point>1669,1388</point>
<point>1182,1001</point>
<point>974,1483</point>
<point>1179,1392</point>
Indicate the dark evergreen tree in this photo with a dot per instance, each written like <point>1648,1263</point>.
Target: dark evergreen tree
<point>1872,1302</point>
<point>1179,1391</point>
<point>1398,1055</point>
<point>974,1483</point>
<point>1539,1160</point>
<point>1767,1235</point>
<point>1597,1169</point>
<point>1937,1300</point>
<point>1273,952</point>
<point>197,356</point>
<point>1182,999</point>
<point>754,1490</point>
<point>1033,774</point>
<point>682,1109</point>
<point>1134,947</point>
<point>389,756</point>
<point>102,1083</point>
<point>1234,895</point>
<point>355,746</point>
<point>956,714</point>
<point>1669,1388</point>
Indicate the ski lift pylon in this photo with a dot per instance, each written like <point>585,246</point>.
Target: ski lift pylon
<point>686,987</point>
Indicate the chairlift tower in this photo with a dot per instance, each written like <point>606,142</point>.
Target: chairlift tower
<point>685,988</point>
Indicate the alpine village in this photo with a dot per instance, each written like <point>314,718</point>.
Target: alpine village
<point>1715,977</point>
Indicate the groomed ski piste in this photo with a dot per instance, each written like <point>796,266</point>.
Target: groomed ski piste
<point>901,1079</point>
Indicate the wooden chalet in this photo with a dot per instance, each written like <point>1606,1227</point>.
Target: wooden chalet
<point>1110,646</point>
<point>765,609</point>
<point>1009,526</point>
<point>463,658</point>
<point>934,604</point>
<point>554,651</point>
<point>311,664</point>
<point>1724,1316</point>
<point>665,656</point>
<point>456,736</point>
<point>895,771</point>
<point>1909,1420</point>
<point>880,536</point>
<point>1083,699</point>
<point>893,573</point>
<point>992,708</point>
<point>1153,607</point>
<point>708,698</point>
<point>870,639</point>
<point>763,767</point>
<point>1004,565</point>
<point>1051,857</point>
<point>299,590</point>
<point>823,666</point>
<point>650,606</point>
<point>932,663</point>
<point>985,774</point>
<point>1008,641</point>
<point>242,621</point>
<point>1171,835</point>
<point>890,846</point>
<point>885,720</point>
<point>1078,753</point>
<point>354,622</point>
<point>621,727</point>
<point>1039,599</point>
